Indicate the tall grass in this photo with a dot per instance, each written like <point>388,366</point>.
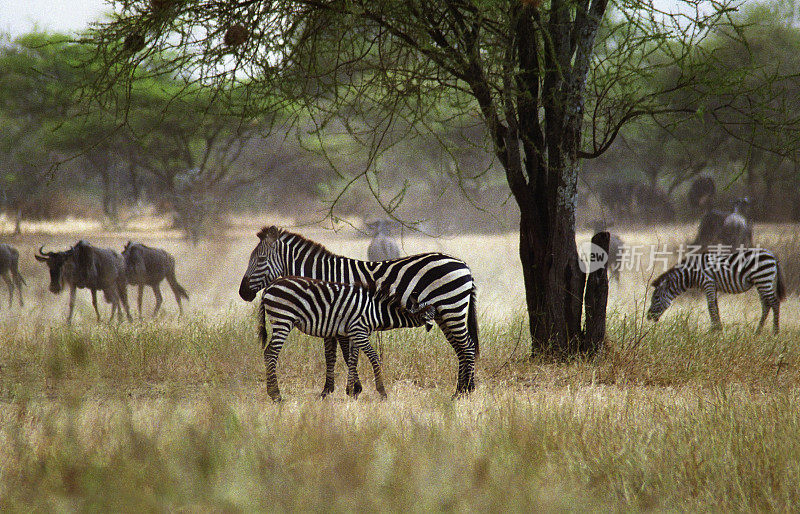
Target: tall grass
<point>173,415</point>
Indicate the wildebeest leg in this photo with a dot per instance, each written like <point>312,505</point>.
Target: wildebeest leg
<point>10,289</point>
<point>94,304</point>
<point>18,281</point>
<point>344,344</point>
<point>139,299</point>
<point>330,364</point>
<point>159,298</point>
<point>122,297</point>
<point>71,303</point>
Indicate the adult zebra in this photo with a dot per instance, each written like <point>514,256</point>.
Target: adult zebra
<point>330,310</point>
<point>431,279</point>
<point>729,273</point>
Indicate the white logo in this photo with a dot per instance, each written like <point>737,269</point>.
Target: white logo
<point>592,257</point>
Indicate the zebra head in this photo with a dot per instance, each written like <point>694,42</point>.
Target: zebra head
<point>667,286</point>
<point>425,313</point>
<point>264,266</point>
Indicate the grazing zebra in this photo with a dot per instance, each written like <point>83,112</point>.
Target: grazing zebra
<point>429,279</point>
<point>349,312</point>
<point>729,273</point>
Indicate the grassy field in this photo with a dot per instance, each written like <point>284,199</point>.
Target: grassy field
<point>172,413</point>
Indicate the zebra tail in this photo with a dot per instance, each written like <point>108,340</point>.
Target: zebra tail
<point>780,285</point>
<point>472,320</point>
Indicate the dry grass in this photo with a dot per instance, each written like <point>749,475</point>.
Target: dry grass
<point>172,413</point>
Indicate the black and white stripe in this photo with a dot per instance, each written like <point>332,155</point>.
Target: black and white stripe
<point>727,273</point>
<point>347,312</point>
<point>432,279</point>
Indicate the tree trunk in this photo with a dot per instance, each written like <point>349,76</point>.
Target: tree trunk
<point>554,282</point>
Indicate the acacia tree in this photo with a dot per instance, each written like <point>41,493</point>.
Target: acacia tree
<point>384,70</point>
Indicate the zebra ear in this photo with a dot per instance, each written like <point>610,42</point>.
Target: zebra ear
<point>269,234</point>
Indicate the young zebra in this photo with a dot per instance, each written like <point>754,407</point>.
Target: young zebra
<point>348,312</point>
<point>728,273</point>
<point>430,279</point>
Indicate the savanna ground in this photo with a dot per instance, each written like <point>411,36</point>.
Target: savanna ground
<point>172,413</point>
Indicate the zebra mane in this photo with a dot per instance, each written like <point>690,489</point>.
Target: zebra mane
<point>278,233</point>
<point>659,279</point>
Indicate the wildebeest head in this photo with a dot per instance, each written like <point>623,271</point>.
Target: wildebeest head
<point>56,262</point>
<point>134,261</point>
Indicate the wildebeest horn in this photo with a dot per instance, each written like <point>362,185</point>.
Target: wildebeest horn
<point>42,256</point>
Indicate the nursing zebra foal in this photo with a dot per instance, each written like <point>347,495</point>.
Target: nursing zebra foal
<point>433,279</point>
<point>728,273</point>
<point>348,312</point>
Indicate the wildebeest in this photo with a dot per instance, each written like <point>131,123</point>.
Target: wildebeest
<point>632,200</point>
<point>701,193</point>
<point>85,266</point>
<point>9,270</point>
<point>725,229</point>
<point>146,266</point>
<point>383,246</point>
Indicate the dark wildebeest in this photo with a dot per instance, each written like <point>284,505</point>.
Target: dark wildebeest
<point>85,266</point>
<point>701,193</point>
<point>725,230</point>
<point>9,270</point>
<point>146,266</point>
<point>632,200</point>
<point>383,246</point>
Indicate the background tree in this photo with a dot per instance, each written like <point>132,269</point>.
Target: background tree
<point>383,70</point>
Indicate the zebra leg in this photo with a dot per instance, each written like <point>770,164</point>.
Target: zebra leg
<point>330,364</point>
<point>776,311</point>
<point>768,301</point>
<point>271,351</point>
<point>353,342</point>
<point>765,307</point>
<point>344,344</point>
<point>376,366</point>
<point>713,309</point>
<point>455,330</point>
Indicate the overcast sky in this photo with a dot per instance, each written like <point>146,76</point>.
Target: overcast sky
<point>21,16</point>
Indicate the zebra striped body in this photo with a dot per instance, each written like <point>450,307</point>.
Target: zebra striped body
<point>727,273</point>
<point>431,279</point>
<point>332,310</point>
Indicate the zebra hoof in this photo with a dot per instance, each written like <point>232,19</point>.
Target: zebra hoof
<point>353,391</point>
<point>324,394</point>
<point>276,398</point>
